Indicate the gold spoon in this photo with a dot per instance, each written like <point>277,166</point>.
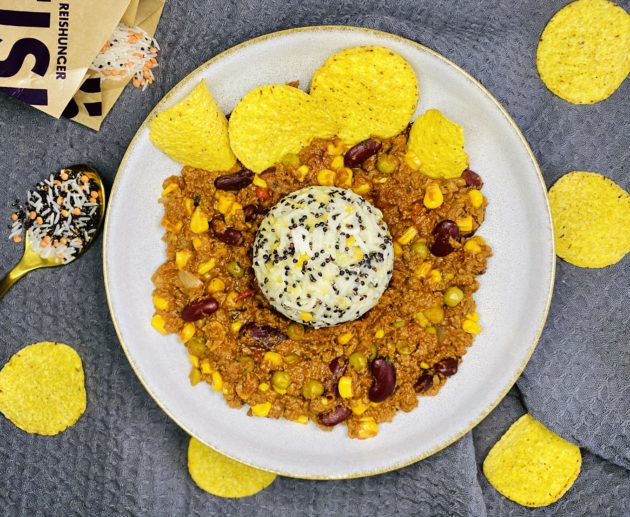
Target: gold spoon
<point>32,260</point>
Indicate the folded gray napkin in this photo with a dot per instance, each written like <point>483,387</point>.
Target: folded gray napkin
<point>125,457</point>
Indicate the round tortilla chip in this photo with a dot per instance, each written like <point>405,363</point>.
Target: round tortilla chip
<point>194,132</point>
<point>222,476</point>
<point>372,91</point>
<point>274,120</point>
<point>591,219</point>
<point>439,143</point>
<point>584,52</point>
<point>531,465</point>
<point>42,388</point>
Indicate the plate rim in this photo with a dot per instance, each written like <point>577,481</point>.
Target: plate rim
<point>423,48</point>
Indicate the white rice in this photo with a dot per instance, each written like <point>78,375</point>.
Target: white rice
<point>323,256</point>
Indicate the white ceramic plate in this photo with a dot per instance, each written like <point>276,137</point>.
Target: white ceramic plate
<point>512,301</point>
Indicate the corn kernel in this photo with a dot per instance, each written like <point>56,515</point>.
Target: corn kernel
<point>472,246</point>
<point>367,428</point>
<point>465,224</point>
<point>434,314</point>
<point>195,376</point>
<point>436,276</point>
<point>172,187</point>
<point>337,162</point>
<point>189,204</point>
<point>306,316</point>
<point>326,177</point>
<point>409,234</point>
<point>424,270</point>
<point>345,387</point>
<point>301,172</point>
<point>476,198</point>
<point>302,419</point>
<point>263,386</point>
<point>279,391</point>
<point>224,201</point>
<point>379,334</point>
<point>397,249</point>
<point>216,285</point>
<point>335,147</point>
<point>431,330</point>
<point>421,319</point>
<point>231,300</point>
<point>362,189</point>
<point>261,409</point>
<point>259,182</point>
<point>196,242</point>
<point>474,316</point>
<point>273,358</point>
<point>412,160</point>
<point>206,266</point>
<point>380,181</point>
<point>198,222</point>
<point>235,326</point>
<point>359,407</point>
<point>181,258</point>
<point>471,327</point>
<point>194,360</point>
<point>206,369</point>
<point>433,197</point>
<point>345,338</point>
<point>217,381</point>
<point>160,303</point>
<point>158,323</point>
<point>187,332</point>
<point>424,366</point>
<point>323,401</point>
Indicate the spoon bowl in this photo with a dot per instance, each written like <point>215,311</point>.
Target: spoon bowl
<point>32,260</point>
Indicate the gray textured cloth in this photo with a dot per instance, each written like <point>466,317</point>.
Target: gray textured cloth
<point>125,457</point>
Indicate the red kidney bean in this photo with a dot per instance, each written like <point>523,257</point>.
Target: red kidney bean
<point>338,367</point>
<point>447,366</point>
<point>224,233</point>
<point>264,335</point>
<point>383,379</point>
<point>235,181</point>
<point>196,310</point>
<point>424,383</point>
<point>231,236</point>
<point>472,179</point>
<point>251,211</point>
<point>336,416</point>
<point>442,234</point>
<point>362,151</point>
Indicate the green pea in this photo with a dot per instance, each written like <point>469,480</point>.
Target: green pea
<point>196,346</point>
<point>358,361</point>
<point>295,331</point>
<point>312,389</point>
<point>291,358</point>
<point>280,380</point>
<point>291,159</point>
<point>421,249</point>
<point>386,163</point>
<point>373,352</point>
<point>235,269</point>
<point>452,296</point>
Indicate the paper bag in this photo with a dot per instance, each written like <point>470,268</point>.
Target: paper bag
<point>46,47</point>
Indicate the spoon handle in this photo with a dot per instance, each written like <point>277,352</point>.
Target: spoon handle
<point>12,277</point>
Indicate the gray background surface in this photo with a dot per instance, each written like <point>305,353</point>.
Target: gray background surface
<point>125,457</point>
